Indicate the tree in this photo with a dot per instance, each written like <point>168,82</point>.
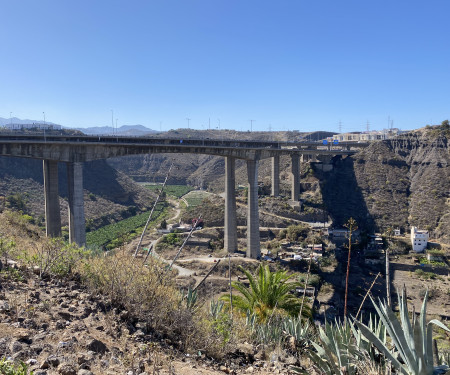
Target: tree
<point>268,294</point>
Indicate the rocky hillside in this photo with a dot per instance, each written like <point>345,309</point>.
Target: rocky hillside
<point>394,183</point>
<point>109,194</point>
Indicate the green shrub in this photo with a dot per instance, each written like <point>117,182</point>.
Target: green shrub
<point>11,368</point>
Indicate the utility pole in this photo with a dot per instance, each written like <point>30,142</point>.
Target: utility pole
<point>10,118</point>
<point>44,125</point>
<point>251,125</point>
<point>340,126</point>
<point>367,125</point>
<point>188,119</point>
<point>116,127</point>
<point>112,120</point>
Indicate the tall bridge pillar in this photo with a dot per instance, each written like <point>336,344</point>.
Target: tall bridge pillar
<point>276,175</point>
<point>52,213</point>
<point>253,239</point>
<point>77,227</point>
<point>230,240</point>
<point>295,172</point>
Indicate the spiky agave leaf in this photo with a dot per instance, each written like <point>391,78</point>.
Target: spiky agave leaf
<point>413,341</point>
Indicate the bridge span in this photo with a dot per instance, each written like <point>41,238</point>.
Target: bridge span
<point>74,150</point>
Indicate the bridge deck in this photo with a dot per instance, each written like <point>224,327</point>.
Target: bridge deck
<point>85,148</point>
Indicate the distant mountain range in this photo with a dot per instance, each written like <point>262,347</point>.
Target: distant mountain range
<point>15,120</point>
<point>130,130</point>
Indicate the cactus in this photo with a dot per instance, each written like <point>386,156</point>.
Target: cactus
<point>413,341</point>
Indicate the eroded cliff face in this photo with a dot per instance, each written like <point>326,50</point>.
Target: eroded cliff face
<point>395,183</point>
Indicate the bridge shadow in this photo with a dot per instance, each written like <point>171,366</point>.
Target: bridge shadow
<point>99,177</point>
<point>343,198</point>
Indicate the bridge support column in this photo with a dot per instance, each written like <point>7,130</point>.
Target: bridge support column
<point>253,239</point>
<point>276,175</point>
<point>295,171</point>
<point>77,227</point>
<point>52,213</point>
<point>230,240</point>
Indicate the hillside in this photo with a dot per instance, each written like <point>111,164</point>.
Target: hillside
<point>394,183</point>
<point>399,182</point>
<point>109,195</point>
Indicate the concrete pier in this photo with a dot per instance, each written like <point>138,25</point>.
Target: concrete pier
<point>295,172</point>
<point>253,239</point>
<point>77,226</point>
<point>230,240</point>
<point>52,213</point>
<point>276,175</point>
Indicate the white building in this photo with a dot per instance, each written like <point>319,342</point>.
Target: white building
<point>419,239</point>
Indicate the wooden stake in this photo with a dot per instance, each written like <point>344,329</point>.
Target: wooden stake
<point>368,291</point>
<point>151,213</point>
<point>209,273</point>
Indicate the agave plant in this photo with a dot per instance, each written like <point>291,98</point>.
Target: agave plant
<point>294,327</point>
<point>337,352</point>
<point>215,308</point>
<point>413,341</point>
<point>378,329</point>
<point>191,298</point>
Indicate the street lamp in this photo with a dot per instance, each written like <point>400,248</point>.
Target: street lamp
<point>10,118</point>
<point>112,120</point>
<point>188,119</point>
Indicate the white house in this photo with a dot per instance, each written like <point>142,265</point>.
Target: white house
<point>419,239</point>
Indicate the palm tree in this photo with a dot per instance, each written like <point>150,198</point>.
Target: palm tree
<point>268,294</point>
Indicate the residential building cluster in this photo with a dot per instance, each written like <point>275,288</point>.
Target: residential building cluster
<point>373,135</point>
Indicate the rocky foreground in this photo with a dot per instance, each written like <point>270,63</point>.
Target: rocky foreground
<point>58,327</point>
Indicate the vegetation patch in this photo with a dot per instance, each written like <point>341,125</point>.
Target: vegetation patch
<point>176,191</point>
<point>112,235</point>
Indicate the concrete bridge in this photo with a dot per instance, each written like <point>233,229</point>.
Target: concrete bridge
<point>74,150</point>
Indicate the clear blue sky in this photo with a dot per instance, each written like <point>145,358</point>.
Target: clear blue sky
<point>287,64</point>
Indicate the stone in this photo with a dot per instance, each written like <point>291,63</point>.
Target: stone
<point>66,369</point>
<point>84,372</point>
<point>51,360</point>
<point>249,370</point>
<point>60,324</point>
<point>96,346</point>
<point>16,346</point>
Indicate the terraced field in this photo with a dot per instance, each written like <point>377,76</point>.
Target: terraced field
<point>113,235</point>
